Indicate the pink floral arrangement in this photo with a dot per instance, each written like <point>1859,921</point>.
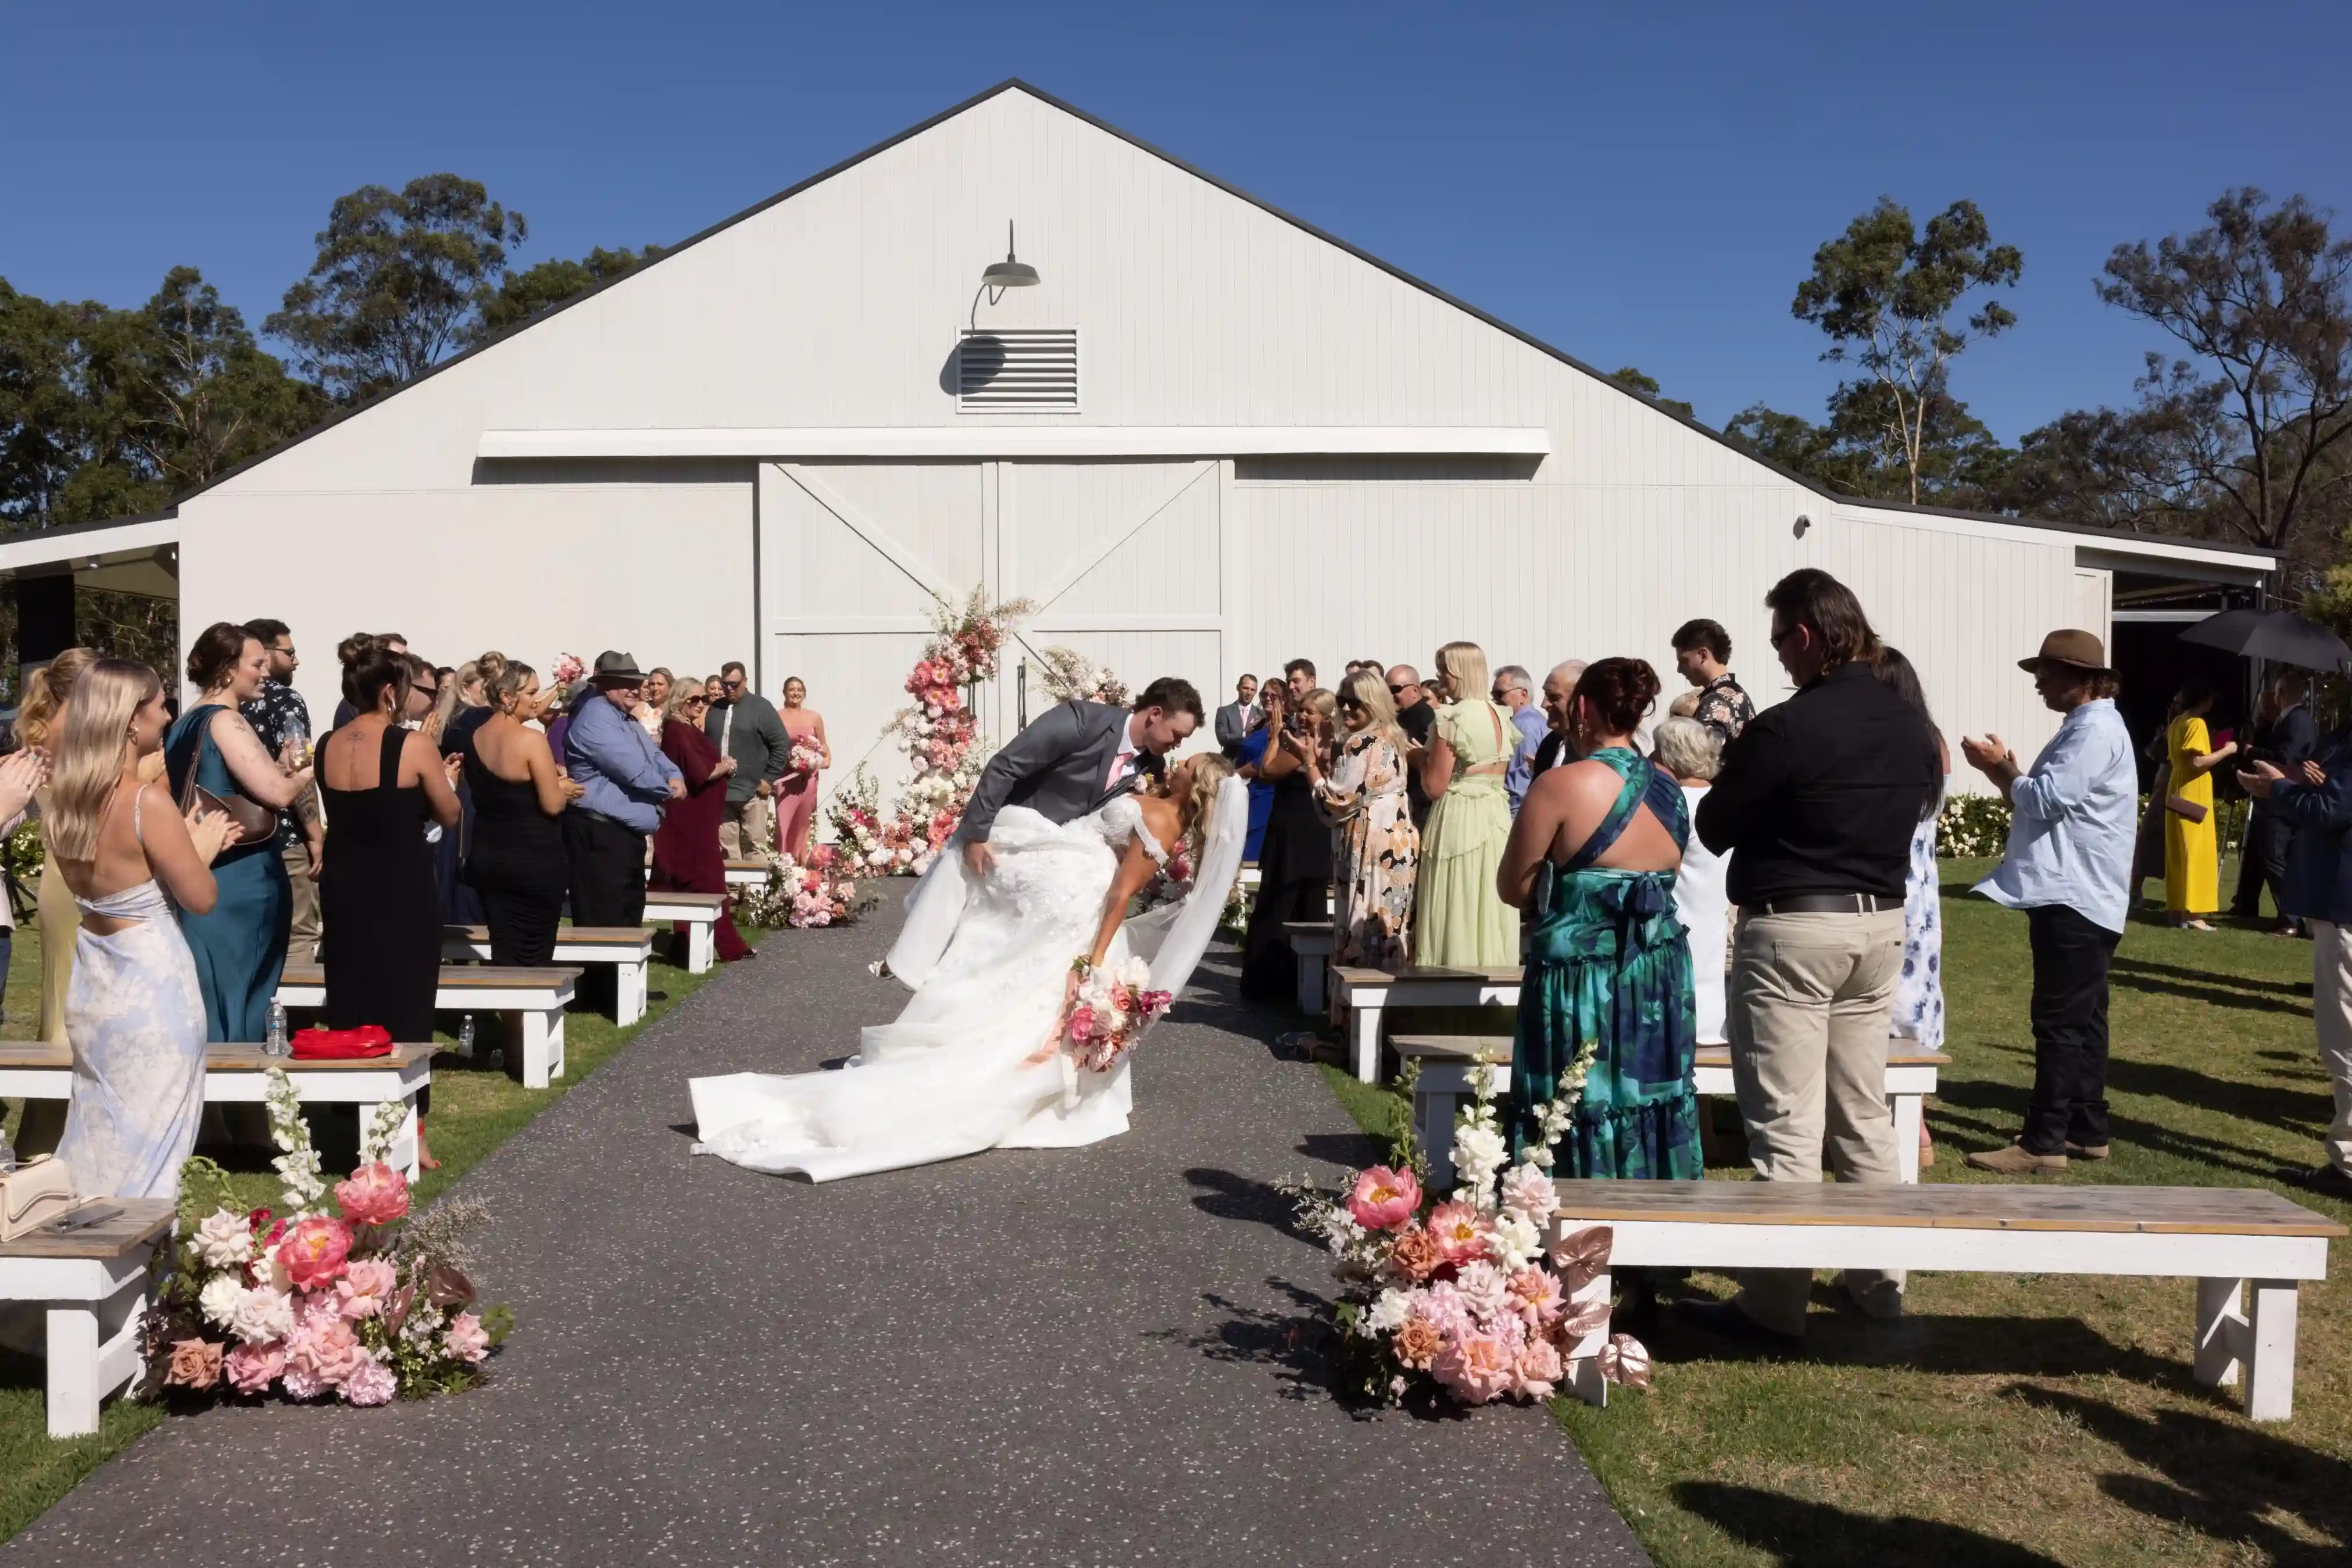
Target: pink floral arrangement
<point>807,755</point>
<point>1462,1298</point>
<point>356,1306</point>
<point>1070,675</point>
<point>568,668</point>
<point>820,890</point>
<point>1110,1008</point>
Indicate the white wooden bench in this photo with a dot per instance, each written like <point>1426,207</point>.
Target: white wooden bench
<point>2229,1240</point>
<point>627,948</point>
<point>538,996</point>
<point>94,1284</point>
<point>751,871</point>
<point>1313,941</point>
<point>1447,1060</point>
<point>700,913</point>
<point>40,1069</point>
<point>1368,992</point>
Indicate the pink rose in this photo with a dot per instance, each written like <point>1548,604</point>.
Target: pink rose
<point>1384,1199</point>
<point>1538,1369</point>
<point>1461,1231</point>
<point>376,1194</point>
<point>365,1287</point>
<point>1536,1295</point>
<point>325,1355</point>
<point>369,1382</point>
<point>252,1368</point>
<point>1527,1191</point>
<point>1475,1367</point>
<point>467,1341</point>
<point>300,1385</point>
<point>316,1251</point>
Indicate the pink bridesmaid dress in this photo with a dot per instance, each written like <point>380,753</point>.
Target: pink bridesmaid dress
<point>796,795</point>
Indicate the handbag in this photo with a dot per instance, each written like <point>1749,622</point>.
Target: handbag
<point>2183,807</point>
<point>33,1195</point>
<point>254,820</point>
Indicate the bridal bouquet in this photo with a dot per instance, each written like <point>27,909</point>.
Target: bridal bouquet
<point>1461,1298</point>
<point>1108,1011</point>
<point>807,755</point>
<point>357,1305</point>
<point>567,669</point>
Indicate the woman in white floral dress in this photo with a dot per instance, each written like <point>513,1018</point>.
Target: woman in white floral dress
<point>1917,1018</point>
<point>1363,797</point>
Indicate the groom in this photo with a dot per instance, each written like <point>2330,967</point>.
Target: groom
<point>1071,761</point>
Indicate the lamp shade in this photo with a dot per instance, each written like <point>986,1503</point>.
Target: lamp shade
<point>1009,273</point>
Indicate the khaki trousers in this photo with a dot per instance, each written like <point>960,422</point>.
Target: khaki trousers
<point>748,828</point>
<point>1807,1015</point>
<point>302,935</point>
<point>2331,1016</point>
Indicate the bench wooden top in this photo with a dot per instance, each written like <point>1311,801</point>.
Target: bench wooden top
<point>663,895</point>
<point>1491,1047</point>
<point>1510,975</point>
<point>2146,1210</point>
<point>623,937</point>
<point>1305,927</point>
<point>20,1054</point>
<point>458,976</point>
<point>143,1222</point>
<point>753,863</point>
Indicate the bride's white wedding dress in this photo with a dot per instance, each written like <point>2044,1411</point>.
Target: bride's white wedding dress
<point>954,1074</point>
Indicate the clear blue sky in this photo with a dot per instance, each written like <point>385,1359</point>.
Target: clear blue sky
<point>1639,184</point>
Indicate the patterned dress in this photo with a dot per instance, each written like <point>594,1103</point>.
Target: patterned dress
<point>1919,1012</point>
<point>1461,921</point>
<point>1609,964</point>
<point>1364,800</point>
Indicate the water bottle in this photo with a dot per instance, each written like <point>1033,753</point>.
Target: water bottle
<point>274,1044</point>
<point>465,1036</point>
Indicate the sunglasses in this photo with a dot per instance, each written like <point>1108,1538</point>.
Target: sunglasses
<point>1399,691</point>
<point>1781,634</point>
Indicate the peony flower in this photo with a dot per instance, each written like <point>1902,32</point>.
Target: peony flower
<point>1513,1242</point>
<point>469,1342</point>
<point>1475,1367</point>
<point>1416,1343</point>
<point>252,1368</point>
<point>1442,1307</point>
<point>1461,1231</point>
<point>369,1382</point>
<point>262,1315</point>
<point>376,1194</point>
<point>1387,1313</point>
<point>224,1240</point>
<point>1384,1199</point>
<point>1528,1192</point>
<point>195,1364</point>
<point>316,1251</point>
<point>1536,1296</point>
<point>364,1287</point>
<point>1416,1254</point>
<point>219,1298</point>
<point>1538,1369</point>
<point>1484,1289</point>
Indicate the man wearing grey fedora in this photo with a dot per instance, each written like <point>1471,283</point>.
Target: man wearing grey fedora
<point>2068,866</point>
<point>626,780</point>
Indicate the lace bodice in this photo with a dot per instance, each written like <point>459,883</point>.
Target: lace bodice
<point>1121,820</point>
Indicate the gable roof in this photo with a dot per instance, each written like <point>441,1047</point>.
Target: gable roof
<point>1015,84</point>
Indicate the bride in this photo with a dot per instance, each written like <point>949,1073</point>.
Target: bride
<point>966,1066</point>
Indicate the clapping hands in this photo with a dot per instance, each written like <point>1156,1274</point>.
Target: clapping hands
<point>211,833</point>
<point>21,773</point>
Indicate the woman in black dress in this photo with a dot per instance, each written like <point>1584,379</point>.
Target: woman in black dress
<point>515,858</point>
<point>1293,861</point>
<point>379,784</point>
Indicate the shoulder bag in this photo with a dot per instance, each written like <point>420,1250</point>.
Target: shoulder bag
<point>256,820</point>
<point>34,1194</point>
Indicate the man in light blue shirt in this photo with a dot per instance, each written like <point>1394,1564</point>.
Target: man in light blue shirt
<point>2069,867</point>
<point>1515,689</point>
<point>625,781</point>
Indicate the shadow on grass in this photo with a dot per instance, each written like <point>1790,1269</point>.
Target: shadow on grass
<point>2223,1479</point>
<point>1793,1531</point>
<point>2214,995</point>
<point>2207,976</point>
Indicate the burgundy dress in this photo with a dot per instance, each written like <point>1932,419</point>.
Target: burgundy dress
<point>687,857</point>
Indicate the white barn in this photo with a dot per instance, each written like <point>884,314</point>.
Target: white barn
<point>1211,437</point>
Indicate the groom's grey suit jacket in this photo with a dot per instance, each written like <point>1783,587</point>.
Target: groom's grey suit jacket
<point>1055,768</point>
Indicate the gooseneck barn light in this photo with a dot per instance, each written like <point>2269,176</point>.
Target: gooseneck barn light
<point>1009,273</point>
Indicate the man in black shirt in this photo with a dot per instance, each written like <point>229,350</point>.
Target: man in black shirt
<point>1417,716</point>
<point>1815,805</point>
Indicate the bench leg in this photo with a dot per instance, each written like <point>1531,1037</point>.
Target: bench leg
<point>1906,1135</point>
<point>630,1003</point>
<point>1432,1116</point>
<point>2270,1351</point>
<point>702,942</point>
<point>543,1047</point>
<point>1310,983</point>
<point>93,1350</point>
<point>1364,1028</point>
<point>2219,1328</point>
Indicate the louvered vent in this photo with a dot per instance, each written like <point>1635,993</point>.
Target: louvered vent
<point>1018,369</point>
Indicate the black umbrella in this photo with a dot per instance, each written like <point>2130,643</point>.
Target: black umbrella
<point>2280,636</point>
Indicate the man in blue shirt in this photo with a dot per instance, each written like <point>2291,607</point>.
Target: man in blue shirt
<point>626,780</point>
<point>1515,689</point>
<point>2069,867</point>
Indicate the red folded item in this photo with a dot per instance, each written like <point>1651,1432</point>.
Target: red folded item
<point>342,1044</point>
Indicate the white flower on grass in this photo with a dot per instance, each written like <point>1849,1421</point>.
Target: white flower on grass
<point>1387,1313</point>
<point>262,1314</point>
<point>1516,1242</point>
<point>220,1297</point>
<point>224,1241</point>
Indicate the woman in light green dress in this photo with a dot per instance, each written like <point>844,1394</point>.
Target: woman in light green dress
<point>1461,923</point>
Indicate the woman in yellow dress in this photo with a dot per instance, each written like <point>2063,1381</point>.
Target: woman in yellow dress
<point>1460,922</point>
<point>2192,860</point>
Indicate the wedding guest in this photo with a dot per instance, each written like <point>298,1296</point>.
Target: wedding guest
<point>1684,706</point>
<point>239,943</point>
<point>1816,804</point>
<point>461,904</point>
<point>423,694</point>
<point>447,706</point>
<point>515,859</point>
<point>279,717</point>
<point>349,648</point>
<point>2285,735</point>
<point>686,847</point>
<point>39,721</point>
<point>380,784</point>
<point>1703,656</point>
<point>2068,866</point>
<point>479,676</point>
<point>1377,850</point>
<point>1593,856</point>
<point>1917,1015</point>
<point>2192,856</point>
<point>715,688</point>
<point>22,773</point>
<point>1558,691</point>
<point>747,728</point>
<point>627,782</point>
<point>653,710</point>
<point>137,1013</point>
<point>1294,858</point>
<point>796,790</point>
<point>558,716</point>
<point>1299,675</point>
<point>1693,753</point>
<point>1272,711</point>
<point>1417,716</point>
<point>1515,689</point>
<point>1459,920</point>
<point>1232,720</point>
<point>2316,801</point>
<point>470,683</point>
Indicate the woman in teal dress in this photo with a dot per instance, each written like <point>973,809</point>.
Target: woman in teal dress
<point>1591,859</point>
<point>239,946</point>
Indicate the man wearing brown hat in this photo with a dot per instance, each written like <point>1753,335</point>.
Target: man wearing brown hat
<point>2069,867</point>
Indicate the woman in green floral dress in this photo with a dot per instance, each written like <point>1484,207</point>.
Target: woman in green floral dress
<point>1591,859</point>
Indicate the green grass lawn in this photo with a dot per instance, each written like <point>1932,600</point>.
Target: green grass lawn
<point>474,1111</point>
<point>2014,1420</point>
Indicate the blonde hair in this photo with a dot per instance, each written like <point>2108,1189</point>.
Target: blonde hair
<point>508,683</point>
<point>1463,665</point>
<point>1688,749</point>
<point>93,748</point>
<point>1369,690</point>
<point>46,694</point>
<point>1321,700</point>
<point>680,693</point>
<point>663,671</point>
<point>1195,805</point>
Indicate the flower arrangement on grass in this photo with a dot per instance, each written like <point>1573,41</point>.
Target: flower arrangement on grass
<point>1460,1299</point>
<point>357,1301</point>
<point>819,890</point>
<point>872,846</point>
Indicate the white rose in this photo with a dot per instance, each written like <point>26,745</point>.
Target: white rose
<point>224,1241</point>
<point>262,1314</point>
<point>220,1297</point>
<point>1516,1242</point>
<point>1387,1313</point>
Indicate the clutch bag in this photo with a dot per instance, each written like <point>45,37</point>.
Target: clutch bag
<point>2183,807</point>
<point>34,1194</point>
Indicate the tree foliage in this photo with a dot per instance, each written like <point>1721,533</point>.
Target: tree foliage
<point>1867,447</point>
<point>1632,380</point>
<point>525,294</point>
<point>400,283</point>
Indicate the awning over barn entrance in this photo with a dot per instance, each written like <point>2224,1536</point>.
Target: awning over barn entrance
<point>126,555</point>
